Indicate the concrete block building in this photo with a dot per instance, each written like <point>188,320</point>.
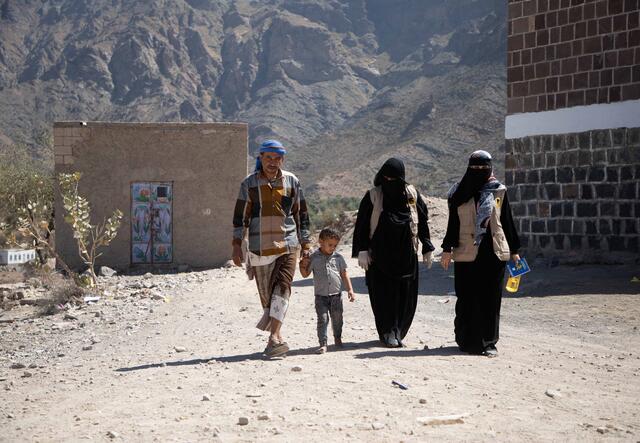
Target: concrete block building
<point>573,127</point>
<point>176,184</point>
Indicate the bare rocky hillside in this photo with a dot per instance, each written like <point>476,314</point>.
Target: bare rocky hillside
<point>344,83</point>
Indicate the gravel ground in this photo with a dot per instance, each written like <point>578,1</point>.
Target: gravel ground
<point>177,358</point>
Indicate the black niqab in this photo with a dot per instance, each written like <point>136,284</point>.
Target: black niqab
<point>392,243</point>
<point>478,173</point>
<point>392,168</point>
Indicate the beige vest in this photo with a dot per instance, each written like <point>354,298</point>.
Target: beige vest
<point>466,250</point>
<point>376,199</point>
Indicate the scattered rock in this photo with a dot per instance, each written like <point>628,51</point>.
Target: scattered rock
<point>112,434</point>
<point>106,271</point>
<point>264,417</point>
<point>442,419</point>
<point>18,366</point>
<point>423,401</point>
<point>402,386</point>
<point>601,429</point>
<point>16,295</point>
<point>33,282</point>
<point>87,348</point>
<point>27,374</point>
<point>205,397</point>
<point>148,275</point>
<point>297,368</point>
<point>377,425</point>
<point>180,349</point>
<point>553,394</point>
<point>242,421</point>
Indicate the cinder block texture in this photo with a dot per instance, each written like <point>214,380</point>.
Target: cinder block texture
<point>577,196</point>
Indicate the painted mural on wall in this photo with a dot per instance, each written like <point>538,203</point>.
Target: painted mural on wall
<point>151,223</point>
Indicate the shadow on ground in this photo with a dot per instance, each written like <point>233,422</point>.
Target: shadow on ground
<point>197,361</point>
<point>399,352</point>
<point>347,346</point>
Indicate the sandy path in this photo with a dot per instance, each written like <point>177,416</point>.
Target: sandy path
<point>134,384</point>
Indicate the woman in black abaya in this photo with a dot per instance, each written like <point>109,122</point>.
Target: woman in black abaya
<point>481,236</point>
<point>391,218</point>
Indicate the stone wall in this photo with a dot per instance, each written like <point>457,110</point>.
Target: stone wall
<point>576,197</point>
<point>564,53</point>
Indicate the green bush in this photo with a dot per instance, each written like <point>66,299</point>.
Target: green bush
<point>24,177</point>
<point>326,212</point>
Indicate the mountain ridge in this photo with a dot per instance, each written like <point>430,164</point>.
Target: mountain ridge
<point>337,81</point>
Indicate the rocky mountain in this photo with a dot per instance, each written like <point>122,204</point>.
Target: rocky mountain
<point>344,84</point>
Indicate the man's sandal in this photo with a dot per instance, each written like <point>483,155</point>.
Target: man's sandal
<point>276,349</point>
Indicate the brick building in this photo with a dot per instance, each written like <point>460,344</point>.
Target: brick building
<point>573,127</point>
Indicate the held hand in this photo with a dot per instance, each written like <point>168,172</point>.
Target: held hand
<point>352,296</point>
<point>427,259</point>
<point>515,258</point>
<point>364,259</point>
<point>305,253</point>
<point>237,255</point>
<point>445,260</point>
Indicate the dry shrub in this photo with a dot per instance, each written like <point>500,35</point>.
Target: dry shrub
<point>61,291</point>
<point>62,294</point>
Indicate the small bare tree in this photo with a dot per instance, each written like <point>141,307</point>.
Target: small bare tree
<point>78,215</point>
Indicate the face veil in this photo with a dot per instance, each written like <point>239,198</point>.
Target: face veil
<point>479,172</point>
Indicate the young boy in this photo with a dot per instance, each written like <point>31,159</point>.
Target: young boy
<point>329,273</point>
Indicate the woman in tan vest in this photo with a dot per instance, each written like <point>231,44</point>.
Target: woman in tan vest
<point>481,237</point>
<point>391,219</point>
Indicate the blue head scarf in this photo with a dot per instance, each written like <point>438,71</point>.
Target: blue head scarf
<point>269,146</point>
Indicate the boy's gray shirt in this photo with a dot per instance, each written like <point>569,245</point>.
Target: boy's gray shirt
<point>326,272</point>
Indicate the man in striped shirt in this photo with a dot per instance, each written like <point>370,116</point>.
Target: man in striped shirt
<point>271,207</point>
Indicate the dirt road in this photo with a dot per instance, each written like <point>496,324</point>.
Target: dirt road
<point>188,367</point>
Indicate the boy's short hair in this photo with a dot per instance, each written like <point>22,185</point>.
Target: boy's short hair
<point>329,233</point>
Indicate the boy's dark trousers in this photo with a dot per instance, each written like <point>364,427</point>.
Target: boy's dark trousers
<point>329,306</point>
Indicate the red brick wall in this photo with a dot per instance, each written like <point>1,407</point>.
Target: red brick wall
<point>563,53</point>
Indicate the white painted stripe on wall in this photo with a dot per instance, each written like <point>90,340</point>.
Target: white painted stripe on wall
<point>576,119</point>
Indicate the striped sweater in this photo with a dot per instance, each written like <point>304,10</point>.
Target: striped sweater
<point>274,212</point>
